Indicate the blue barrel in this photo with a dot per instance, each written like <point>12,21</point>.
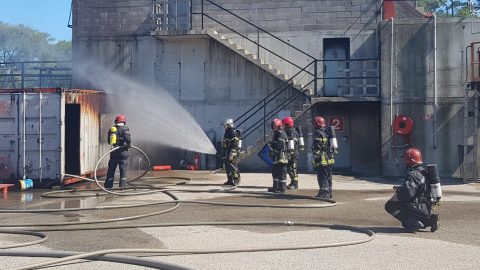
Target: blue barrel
<point>264,155</point>
<point>25,184</point>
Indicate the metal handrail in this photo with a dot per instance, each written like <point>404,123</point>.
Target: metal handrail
<point>258,28</point>
<point>262,121</point>
<point>258,44</point>
<point>272,93</point>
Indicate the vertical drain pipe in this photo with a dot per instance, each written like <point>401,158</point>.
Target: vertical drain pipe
<point>24,131</point>
<point>40,140</point>
<point>391,79</point>
<point>435,102</point>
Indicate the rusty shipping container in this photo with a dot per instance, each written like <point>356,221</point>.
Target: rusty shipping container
<point>47,132</point>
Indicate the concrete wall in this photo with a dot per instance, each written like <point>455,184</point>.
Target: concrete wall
<point>111,17</point>
<point>284,16</point>
<point>210,80</point>
<point>438,131</point>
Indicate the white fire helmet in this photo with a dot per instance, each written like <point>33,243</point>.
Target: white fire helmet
<point>228,123</point>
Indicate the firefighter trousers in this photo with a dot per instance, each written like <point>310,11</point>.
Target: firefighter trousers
<point>407,212</point>
<point>112,166</point>
<point>231,167</point>
<point>324,179</point>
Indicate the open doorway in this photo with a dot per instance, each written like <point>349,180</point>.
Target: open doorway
<point>72,139</point>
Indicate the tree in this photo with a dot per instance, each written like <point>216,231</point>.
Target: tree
<point>460,8</point>
<point>22,43</point>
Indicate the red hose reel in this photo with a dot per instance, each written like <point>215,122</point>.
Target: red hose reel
<point>402,125</point>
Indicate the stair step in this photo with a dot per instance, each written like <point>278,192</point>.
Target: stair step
<point>275,71</point>
<point>297,113</point>
<point>235,46</point>
<point>283,76</point>
<point>306,106</point>
<point>243,51</point>
<point>298,86</point>
<point>267,66</point>
<point>251,56</point>
<point>259,61</point>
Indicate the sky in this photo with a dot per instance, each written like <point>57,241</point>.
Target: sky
<point>50,16</point>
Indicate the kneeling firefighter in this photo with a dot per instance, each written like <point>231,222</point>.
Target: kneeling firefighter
<point>323,148</point>
<point>231,144</point>
<point>118,135</point>
<point>413,202</point>
<point>295,143</point>
<point>278,153</point>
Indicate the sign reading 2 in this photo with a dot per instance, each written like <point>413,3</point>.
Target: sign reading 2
<point>337,122</point>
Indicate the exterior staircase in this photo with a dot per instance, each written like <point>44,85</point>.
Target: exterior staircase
<point>254,58</point>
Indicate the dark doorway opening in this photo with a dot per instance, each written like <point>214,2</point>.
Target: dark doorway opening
<point>72,139</point>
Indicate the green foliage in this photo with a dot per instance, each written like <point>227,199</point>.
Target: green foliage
<point>461,8</point>
<point>22,43</point>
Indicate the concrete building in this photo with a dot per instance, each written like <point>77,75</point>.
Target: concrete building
<point>225,58</point>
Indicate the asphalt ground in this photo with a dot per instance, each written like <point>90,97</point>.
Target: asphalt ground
<point>360,202</point>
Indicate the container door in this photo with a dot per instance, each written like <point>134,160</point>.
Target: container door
<point>9,139</point>
<point>42,133</point>
<point>335,50</point>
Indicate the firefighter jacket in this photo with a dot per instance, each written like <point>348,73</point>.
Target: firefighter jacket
<point>123,138</point>
<point>415,191</point>
<point>278,147</point>
<point>230,143</point>
<point>292,135</point>
<point>322,150</point>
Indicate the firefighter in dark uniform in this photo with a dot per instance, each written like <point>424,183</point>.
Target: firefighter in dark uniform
<point>278,153</point>
<point>323,158</point>
<point>293,147</point>
<point>230,149</point>
<point>118,135</point>
<point>411,203</point>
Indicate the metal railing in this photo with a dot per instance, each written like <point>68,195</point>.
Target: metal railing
<point>349,77</point>
<point>32,74</point>
<point>257,43</point>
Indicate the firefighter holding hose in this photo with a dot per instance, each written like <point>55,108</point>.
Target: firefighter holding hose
<point>118,135</point>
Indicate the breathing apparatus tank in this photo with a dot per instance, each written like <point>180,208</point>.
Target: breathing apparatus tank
<point>113,136</point>
<point>434,181</point>
<point>301,142</point>
<point>239,135</point>
<point>333,137</point>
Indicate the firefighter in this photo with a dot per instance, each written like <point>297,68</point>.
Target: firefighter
<point>278,153</point>
<point>323,158</point>
<point>412,204</point>
<point>293,147</point>
<point>118,135</point>
<point>230,149</point>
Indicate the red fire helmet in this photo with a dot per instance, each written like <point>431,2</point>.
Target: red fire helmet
<point>412,156</point>
<point>319,121</point>
<point>120,119</point>
<point>276,124</point>
<point>288,122</point>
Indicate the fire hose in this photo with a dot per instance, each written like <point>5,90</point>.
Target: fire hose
<point>101,255</point>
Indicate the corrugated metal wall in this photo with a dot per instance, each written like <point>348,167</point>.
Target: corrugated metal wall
<point>40,134</point>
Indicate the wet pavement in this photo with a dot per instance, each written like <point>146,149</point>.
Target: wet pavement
<point>360,203</point>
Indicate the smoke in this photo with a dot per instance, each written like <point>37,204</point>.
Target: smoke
<point>153,115</point>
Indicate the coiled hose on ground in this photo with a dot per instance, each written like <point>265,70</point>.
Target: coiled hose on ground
<point>37,228</point>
